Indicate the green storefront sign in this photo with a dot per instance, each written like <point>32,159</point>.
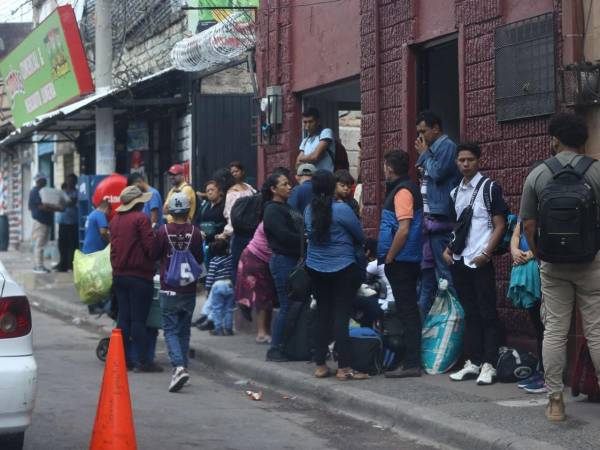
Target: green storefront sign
<point>47,69</point>
<point>201,19</point>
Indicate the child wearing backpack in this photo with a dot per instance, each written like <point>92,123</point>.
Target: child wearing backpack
<point>179,247</point>
<point>220,288</point>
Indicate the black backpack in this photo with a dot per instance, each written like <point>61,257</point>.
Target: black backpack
<point>514,366</point>
<point>246,215</point>
<point>299,340</point>
<point>568,215</point>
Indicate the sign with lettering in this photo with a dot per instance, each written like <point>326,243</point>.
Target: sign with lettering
<point>47,69</point>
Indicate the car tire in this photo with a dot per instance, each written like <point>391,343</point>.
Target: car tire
<point>12,441</point>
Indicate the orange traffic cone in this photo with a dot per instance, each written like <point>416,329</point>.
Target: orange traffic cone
<point>113,428</point>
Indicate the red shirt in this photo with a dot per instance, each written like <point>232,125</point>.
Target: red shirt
<point>179,233</point>
<point>132,245</point>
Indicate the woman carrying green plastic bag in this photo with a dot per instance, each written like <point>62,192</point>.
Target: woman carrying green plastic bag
<point>92,275</point>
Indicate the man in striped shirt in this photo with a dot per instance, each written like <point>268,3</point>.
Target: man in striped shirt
<point>220,287</point>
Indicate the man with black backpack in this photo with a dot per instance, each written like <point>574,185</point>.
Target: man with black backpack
<point>559,209</point>
<point>479,211</point>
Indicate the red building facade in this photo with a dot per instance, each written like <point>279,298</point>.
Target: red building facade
<point>439,55</point>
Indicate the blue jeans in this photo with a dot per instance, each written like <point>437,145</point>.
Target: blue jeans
<point>223,303</point>
<point>207,309</point>
<point>439,243</point>
<point>427,291</point>
<point>281,266</point>
<point>176,321</point>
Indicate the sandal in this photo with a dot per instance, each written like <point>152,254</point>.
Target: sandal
<point>323,371</point>
<point>263,339</point>
<point>349,374</point>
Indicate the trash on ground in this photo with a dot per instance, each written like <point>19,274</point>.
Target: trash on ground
<point>257,396</point>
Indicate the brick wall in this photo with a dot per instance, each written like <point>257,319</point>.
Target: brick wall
<point>274,67</point>
<point>508,149</point>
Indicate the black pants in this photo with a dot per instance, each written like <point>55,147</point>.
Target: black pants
<point>536,320</point>
<point>68,241</point>
<point>134,296</point>
<point>334,292</point>
<point>476,289</point>
<point>403,277</point>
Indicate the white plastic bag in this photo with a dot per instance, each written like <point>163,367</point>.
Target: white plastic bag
<point>443,331</point>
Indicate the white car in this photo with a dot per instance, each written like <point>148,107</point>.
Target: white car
<point>18,369</point>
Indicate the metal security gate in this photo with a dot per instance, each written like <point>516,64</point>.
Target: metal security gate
<point>223,132</point>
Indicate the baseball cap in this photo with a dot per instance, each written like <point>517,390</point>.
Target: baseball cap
<point>176,169</point>
<point>306,169</point>
<point>40,176</point>
<point>179,203</point>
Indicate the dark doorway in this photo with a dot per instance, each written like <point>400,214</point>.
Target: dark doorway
<point>438,84</point>
<point>222,134</point>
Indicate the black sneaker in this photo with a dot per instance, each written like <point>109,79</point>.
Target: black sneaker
<point>150,367</point>
<point>275,354</point>
<point>227,332</point>
<point>217,333</point>
<point>207,326</point>
<point>401,372</point>
<point>201,320</point>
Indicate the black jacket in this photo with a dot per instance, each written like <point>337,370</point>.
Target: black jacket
<point>282,229</point>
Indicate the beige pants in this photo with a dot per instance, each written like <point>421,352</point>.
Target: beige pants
<point>39,236</point>
<point>563,286</point>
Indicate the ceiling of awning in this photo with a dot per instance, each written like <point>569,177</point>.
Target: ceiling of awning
<point>64,124</point>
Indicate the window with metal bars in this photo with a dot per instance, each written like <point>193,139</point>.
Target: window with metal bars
<point>525,68</point>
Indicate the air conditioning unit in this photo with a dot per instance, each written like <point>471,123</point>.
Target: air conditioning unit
<point>580,84</point>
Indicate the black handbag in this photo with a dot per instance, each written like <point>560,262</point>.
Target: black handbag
<point>299,281</point>
<point>460,233</point>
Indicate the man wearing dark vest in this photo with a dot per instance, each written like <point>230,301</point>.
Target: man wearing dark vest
<point>400,248</point>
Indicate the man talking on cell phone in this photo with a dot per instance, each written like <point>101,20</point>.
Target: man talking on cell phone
<point>439,175</point>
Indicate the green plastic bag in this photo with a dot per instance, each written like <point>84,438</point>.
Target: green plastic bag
<point>92,275</point>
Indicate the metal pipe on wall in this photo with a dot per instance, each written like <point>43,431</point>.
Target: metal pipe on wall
<point>378,155</point>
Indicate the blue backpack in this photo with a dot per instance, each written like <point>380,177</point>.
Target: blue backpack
<point>183,268</point>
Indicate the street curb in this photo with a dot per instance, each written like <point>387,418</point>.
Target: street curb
<point>53,304</point>
<point>354,402</point>
<point>370,406</point>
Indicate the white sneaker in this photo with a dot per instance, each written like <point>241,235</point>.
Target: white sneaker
<point>179,378</point>
<point>40,269</point>
<point>468,372</point>
<point>487,375</point>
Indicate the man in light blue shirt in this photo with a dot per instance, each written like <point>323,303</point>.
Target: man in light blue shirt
<point>318,148</point>
<point>153,208</point>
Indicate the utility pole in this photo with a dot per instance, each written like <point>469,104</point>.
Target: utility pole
<point>105,132</point>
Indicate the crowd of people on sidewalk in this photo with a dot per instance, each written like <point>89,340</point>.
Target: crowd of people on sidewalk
<point>256,249</point>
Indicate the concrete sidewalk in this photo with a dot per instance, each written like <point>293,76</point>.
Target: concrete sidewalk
<point>460,415</point>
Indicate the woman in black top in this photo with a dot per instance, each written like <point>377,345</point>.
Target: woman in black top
<point>210,214</point>
<point>284,236</point>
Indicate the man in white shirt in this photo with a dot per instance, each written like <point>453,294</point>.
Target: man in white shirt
<point>471,263</point>
<point>318,148</point>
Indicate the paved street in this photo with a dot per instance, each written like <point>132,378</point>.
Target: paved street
<point>211,413</point>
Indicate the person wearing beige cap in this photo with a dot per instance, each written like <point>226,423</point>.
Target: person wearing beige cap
<point>132,258</point>
<point>302,193</point>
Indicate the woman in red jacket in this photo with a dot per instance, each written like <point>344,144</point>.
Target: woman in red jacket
<point>132,259</point>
